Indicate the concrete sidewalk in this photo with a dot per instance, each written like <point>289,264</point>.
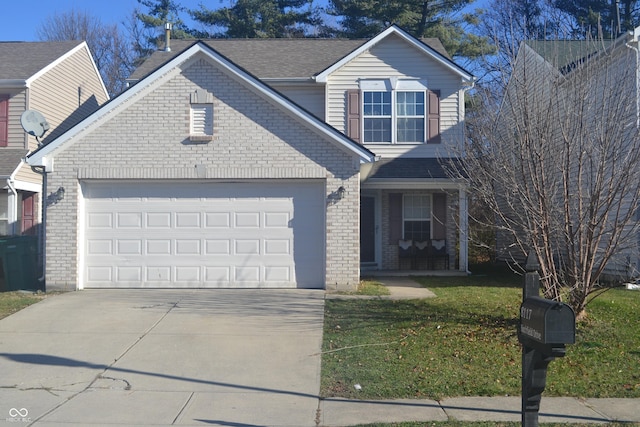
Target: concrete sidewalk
<point>343,412</point>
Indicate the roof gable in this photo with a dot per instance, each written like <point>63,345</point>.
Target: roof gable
<point>25,60</point>
<point>421,46</point>
<point>275,58</point>
<point>40,157</point>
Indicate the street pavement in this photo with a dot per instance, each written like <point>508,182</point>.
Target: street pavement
<point>242,358</point>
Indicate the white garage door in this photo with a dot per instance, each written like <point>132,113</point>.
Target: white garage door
<point>168,235</point>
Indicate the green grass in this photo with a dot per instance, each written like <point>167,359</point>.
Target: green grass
<point>11,302</point>
<point>372,288</point>
<point>464,343</point>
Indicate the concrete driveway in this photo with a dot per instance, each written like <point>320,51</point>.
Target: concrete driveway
<point>163,357</point>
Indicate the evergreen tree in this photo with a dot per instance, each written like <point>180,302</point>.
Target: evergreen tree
<point>422,18</point>
<point>605,18</point>
<point>160,12</point>
<point>258,19</point>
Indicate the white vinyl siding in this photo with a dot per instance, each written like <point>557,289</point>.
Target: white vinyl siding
<point>311,98</point>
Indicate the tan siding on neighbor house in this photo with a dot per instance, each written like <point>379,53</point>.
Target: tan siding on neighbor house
<point>25,174</point>
<point>407,62</point>
<point>17,105</point>
<point>67,93</point>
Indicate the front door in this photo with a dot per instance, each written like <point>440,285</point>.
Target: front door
<point>367,230</point>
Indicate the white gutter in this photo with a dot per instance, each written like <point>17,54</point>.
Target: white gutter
<point>13,84</point>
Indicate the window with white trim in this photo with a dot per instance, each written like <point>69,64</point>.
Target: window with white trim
<point>394,112</point>
<point>416,217</point>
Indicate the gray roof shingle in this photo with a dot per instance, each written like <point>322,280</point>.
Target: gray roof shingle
<point>410,168</point>
<point>10,159</point>
<point>21,60</point>
<point>272,58</point>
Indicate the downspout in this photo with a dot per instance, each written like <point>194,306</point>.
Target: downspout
<point>42,235</point>
<point>14,207</point>
<point>463,205</point>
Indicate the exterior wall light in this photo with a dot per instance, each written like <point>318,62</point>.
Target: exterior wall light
<point>341,193</point>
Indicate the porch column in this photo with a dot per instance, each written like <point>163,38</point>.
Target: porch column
<point>464,229</point>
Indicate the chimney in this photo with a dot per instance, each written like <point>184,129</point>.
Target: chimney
<point>167,37</point>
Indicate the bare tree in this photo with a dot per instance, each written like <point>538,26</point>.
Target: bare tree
<point>557,163</point>
<point>111,50</point>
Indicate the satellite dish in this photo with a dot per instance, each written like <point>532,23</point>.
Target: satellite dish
<point>34,123</point>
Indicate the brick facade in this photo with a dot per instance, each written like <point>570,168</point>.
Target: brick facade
<point>148,138</point>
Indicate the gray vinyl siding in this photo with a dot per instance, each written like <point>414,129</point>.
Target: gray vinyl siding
<point>393,57</point>
<point>67,93</point>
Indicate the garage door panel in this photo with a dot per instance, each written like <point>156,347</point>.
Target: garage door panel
<point>100,247</point>
<point>217,247</point>
<point>187,247</point>
<point>188,219</point>
<point>129,274</point>
<point>204,235</point>
<point>158,274</point>
<point>158,220</point>
<point>189,274</point>
<point>158,246</point>
<point>100,220</point>
<point>217,219</point>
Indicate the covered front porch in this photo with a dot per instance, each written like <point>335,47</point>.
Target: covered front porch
<point>413,220</point>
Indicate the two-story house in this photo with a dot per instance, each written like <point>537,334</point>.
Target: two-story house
<point>571,110</point>
<point>264,163</point>
<point>57,79</point>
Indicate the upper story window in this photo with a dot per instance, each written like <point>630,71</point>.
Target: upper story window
<point>393,111</point>
<point>394,117</point>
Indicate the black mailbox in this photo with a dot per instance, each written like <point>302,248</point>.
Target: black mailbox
<point>547,322</point>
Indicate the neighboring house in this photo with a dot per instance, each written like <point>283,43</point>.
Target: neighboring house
<point>262,163</point>
<point>582,98</point>
<point>58,79</point>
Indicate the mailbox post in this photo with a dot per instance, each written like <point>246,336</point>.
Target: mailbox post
<point>545,327</point>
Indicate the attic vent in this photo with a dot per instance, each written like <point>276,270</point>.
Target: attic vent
<point>201,119</point>
<point>201,127</point>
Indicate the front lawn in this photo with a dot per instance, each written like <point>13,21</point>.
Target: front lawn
<point>11,302</point>
<point>464,343</point>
